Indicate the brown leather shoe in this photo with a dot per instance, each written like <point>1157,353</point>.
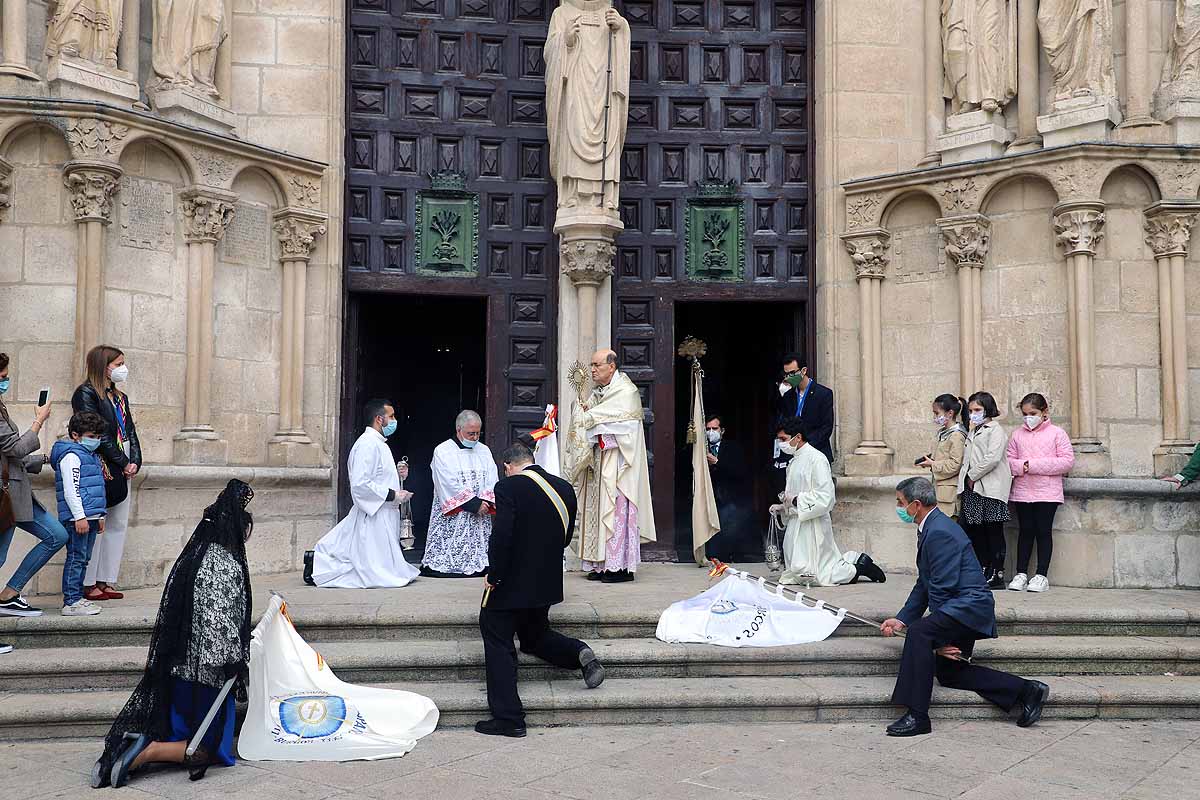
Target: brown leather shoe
<point>110,593</point>
<point>94,593</point>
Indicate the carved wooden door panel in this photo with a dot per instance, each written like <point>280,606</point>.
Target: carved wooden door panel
<point>448,188</point>
<point>714,185</point>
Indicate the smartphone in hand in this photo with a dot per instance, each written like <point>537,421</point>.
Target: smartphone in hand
<point>44,397</point>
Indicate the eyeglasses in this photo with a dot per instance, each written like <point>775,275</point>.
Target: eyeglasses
<point>788,373</point>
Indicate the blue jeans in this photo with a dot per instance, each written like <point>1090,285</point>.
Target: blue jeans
<point>79,552</point>
<point>52,535</point>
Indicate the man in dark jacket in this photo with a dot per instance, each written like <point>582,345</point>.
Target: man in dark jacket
<point>535,517</point>
<point>951,586</point>
<point>732,492</point>
<point>801,396</point>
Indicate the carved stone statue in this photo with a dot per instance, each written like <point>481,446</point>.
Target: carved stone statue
<point>1077,36</point>
<point>587,103</point>
<point>85,29</point>
<point>1181,70</point>
<point>187,34</point>
<point>979,53</point>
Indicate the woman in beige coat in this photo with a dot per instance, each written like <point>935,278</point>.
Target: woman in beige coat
<point>947,457</point>
<point>983,487</point>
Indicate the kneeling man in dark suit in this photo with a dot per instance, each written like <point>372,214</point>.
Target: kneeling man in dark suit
<point>950,584</point>
<point>535,518</point>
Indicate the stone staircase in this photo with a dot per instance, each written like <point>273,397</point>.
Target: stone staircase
<point>1105,653</point>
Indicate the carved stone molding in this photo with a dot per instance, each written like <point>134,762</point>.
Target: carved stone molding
<point>1180,180</point>
<point>587,261</point>
<point>868,251</point>
<point>306,191</point>
<point>1079,226</point>
<point>862,211</point>
<point>214,170</point>
<point>206,213</point>
<point>966,239</point>
<point>94,138</point>
<point>959,196</point>
<point>297,231</point>
<point>91,186</point>
<point>1169,227</point>
<point>5,186</point>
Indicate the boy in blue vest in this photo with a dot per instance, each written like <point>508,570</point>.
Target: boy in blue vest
<point>79,486</point>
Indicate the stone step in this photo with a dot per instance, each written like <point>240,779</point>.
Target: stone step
<point>678,700</point>
<point>57,670</point>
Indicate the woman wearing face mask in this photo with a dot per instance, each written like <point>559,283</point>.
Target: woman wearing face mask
<point>983,487</point>
<point>1039,455</point>
<point>947,458</point>
<point>120,454</point>
<point>17,459</point>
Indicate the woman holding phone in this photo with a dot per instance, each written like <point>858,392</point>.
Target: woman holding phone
<point>120,454</point>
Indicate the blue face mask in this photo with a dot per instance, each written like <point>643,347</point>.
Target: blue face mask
<point>4,386</point>
<point>905,517</point>
<point>90,443</point>
<point>390,428</point>
<point>468,443</point>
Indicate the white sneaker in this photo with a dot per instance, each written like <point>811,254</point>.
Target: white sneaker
<point>1019,582</point>
<point>1038,583</point>
<point>87,602</point>
<point>81,608</point>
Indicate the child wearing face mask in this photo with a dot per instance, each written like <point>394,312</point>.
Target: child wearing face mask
<point>946,460</point>
<point>82,504</point>
<point>983,487</point>
<point>1039,455</point>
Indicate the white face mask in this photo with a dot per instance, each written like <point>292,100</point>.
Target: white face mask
<point>784,388</point>
<point>713,436</point>
<point>788,448</point>
<point>977,417</point>
<point>120,374</point>
<point>1032,422</point>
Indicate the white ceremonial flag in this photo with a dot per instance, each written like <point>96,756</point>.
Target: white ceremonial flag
<point>705,522</point>
<point>737,612</point>
<point>545,452</point>
<point>300,711</point>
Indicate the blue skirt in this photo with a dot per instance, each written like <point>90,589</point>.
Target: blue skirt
<point>190,702</point>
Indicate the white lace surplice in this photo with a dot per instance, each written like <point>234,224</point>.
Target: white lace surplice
<point>458,539</point>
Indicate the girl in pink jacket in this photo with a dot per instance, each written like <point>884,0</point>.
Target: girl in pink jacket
<point>1039,455</point>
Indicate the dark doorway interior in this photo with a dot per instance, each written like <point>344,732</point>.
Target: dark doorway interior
<point>426,354</point>
<point>745,341</point>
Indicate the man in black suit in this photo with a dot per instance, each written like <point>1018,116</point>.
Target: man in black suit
<point>535,518</point>
<point>731,490</point>
<point>950,584</point>
<point>801,396</point>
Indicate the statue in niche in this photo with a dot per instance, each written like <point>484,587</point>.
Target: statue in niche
<point>85,29</point>
<point>979,54</point>
<point>587,101</point>
<point>187,35</point>
<point>1181,70</point>
<point>1077,36</point>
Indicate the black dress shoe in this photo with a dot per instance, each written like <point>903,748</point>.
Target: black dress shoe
<point>496,727</point>
<point>867,568</point>
<point>1036,694</point>
<point>997,582</point>
<point>135,744</point>
<point>593,670</point>
<point>308,567</point>
<point>620,576</point>
<point>594,576</point>
<point>908,725</point>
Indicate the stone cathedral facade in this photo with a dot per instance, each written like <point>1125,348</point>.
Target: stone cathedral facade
<point>939,195</point>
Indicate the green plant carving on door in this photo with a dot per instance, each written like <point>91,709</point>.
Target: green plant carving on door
<point>445,225</point>
<point>714,232</point>
<point>716,227</point>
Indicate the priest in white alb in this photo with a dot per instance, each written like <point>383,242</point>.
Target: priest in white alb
<point>363,550</point>
<point>460,523</point>
<point>810,553</point>
<point>607,463</point>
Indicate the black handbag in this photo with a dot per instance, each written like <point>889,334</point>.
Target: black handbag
<point>8,517</point>
<point>116,488</point>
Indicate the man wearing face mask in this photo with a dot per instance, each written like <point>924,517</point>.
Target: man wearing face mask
<point>950,585</point>
<point>801,396</point>
<point>731,490</point>
<point>363,550</point>
<point>460,523</point>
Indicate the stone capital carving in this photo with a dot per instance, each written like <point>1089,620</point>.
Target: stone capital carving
<point>587,261</point>
<point>213,169</point>
<point>868,251</point>
<point>1169,227</point>
<point>297,231</point>
<point>306,191</point>
<point>206,213</point>
<point>91,186</point>
<point>862,211</point>
<point>94,138</point>
<point>5,185</point>
<point>966,239</point>
<point>1079,227</point>
<point>959,196</point>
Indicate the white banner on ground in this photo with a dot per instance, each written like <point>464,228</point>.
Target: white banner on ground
<point>300,711</point>
<point>737,612</point>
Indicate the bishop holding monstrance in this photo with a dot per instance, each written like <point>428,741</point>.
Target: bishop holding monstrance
<point>606,462</point>
<point>587,101</point>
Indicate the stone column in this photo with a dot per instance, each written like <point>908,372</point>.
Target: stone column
<point>1078,228</point>
<point>206,214</point>
<point>966,240</point>
<point>296,230</point>
<point>1168,232</point>
<point>935,104</point>
<point>91,185</point>
<point>1137,65</point>
<point>868,251</point>
<point>588,262</point>
<point>1028,91</point>
<point>15,25</point>
<point>128,57</point>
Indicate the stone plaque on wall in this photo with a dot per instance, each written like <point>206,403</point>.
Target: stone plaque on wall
<point>247,240</point>
<point>147,216</point>
<point>917,254</point>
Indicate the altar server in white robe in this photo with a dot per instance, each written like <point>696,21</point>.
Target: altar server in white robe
<point>363,550</point>
<point>810,554</point>
<point>460,522</point>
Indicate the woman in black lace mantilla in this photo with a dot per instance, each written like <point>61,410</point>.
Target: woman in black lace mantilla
<point>201,639</point>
